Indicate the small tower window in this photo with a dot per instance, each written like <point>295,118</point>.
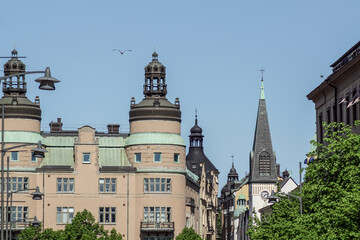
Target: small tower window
<point>176,157</point>
<point>137,157</point>
<point>157,157</point>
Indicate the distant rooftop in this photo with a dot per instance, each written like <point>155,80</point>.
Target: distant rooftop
<point>346,58</point>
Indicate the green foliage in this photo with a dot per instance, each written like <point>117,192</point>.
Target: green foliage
<point>82,227</point>
<point>331,194</point>
<point>218,222</point>
<point>187,234</point>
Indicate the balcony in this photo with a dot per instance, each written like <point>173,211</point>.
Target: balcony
<point>190,202</point>
<point>209,205</point>
<point>210,230</point>
<point>157,226</point>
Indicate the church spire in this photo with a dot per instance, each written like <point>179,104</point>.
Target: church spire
<point>262,157</point>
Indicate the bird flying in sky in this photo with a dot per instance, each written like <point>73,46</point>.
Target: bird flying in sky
<point>122,52</point>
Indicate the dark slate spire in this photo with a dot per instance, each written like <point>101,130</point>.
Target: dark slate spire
<point>262,157</point>
<point>232,175</point>
<point>196,154</point>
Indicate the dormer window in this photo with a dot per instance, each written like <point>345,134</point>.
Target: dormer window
<point>86,157</point>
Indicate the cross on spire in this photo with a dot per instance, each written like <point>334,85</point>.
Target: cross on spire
<point>262,70</point>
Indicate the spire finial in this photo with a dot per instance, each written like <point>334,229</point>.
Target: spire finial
<point>195,116</point>
<point>262,70</point>
<point>262,90</point>
<point>232,159</point>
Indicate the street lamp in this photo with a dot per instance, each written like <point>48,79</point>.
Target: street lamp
<point>274,199</point>
<point>46,83</point>
<point>37,195</point>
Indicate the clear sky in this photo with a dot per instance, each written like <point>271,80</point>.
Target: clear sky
<point>213,51</point>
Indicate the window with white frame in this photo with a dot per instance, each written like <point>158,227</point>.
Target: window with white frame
<point>160,185</point>
<point>157,157</point>
<point>157,214</point>
<point>107,215</point>
<point>86,157</point>
<point>33,158</point>
<point>14,156</point>
<point>64,215</point>
<point>137,157</point>
<point>176,158</point>
<point>65,185</point>
<point>107,185</point>
<point>18,213</point>
<point>16,183</point>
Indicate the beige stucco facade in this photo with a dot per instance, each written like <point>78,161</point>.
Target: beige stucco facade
<point>134,182</point>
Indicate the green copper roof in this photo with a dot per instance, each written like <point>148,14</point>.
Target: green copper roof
<point>58,157</point>
<point>61,141</point>
<point>192,175</point>
<point>241,197</point>
<point>22,137</point>
<point>113,157</point>
<point>262,90</point>
<point>154,138</point>
<point>239,210</point>
<point>111,141</point>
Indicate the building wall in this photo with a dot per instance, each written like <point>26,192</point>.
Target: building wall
<point>256,200</point>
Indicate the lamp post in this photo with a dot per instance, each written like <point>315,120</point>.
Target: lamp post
<point>46,83</point>
<point>37,195</point>
<point>274,199</point>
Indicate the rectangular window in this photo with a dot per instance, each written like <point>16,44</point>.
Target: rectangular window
<point>18,213</point>
<point>176,157</point>
<point>86,157</point>
<point>137,157</point>
<point>107,215</point>
<point>157,157</point>
<point>341,112</point>
<point>16,183</point>
<point>347,112</point>
<point>160,185</point>
<point>107,185</point>
<point>64,215</point>
<point>14,156</point>
<point>65,185</point>
<point>157,214</point>
<point>33,158</point>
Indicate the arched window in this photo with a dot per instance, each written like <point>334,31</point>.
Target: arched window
<point>264,164</point>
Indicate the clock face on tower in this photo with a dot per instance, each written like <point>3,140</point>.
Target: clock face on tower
<point>264,194</point>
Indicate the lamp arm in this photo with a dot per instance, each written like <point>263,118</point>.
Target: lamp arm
<point>22,145</point>
<point>20,74</point>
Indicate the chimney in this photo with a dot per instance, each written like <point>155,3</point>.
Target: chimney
<point>113,128</point>
<point>56,126</point>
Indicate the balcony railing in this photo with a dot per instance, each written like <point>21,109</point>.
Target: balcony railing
<point>210,230</point>
<point>190,202</point>
<point>157,226</point>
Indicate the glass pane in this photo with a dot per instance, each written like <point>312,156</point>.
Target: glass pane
<point>58,215</point>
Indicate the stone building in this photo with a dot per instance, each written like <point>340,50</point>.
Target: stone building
<point>137,182</point>
<point>336,98</point>
<point>241,198</point>
<point>206,175</point>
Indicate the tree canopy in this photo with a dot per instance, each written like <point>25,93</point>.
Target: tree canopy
<point>187,234</point>
<point>331,194</point>
<point>82,227</point>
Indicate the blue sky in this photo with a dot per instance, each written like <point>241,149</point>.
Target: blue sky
<point>213,51</point>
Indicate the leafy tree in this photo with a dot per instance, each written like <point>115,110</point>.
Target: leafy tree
<point>82,227</point>
<point>331,194</point>
<point>187,234</point>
